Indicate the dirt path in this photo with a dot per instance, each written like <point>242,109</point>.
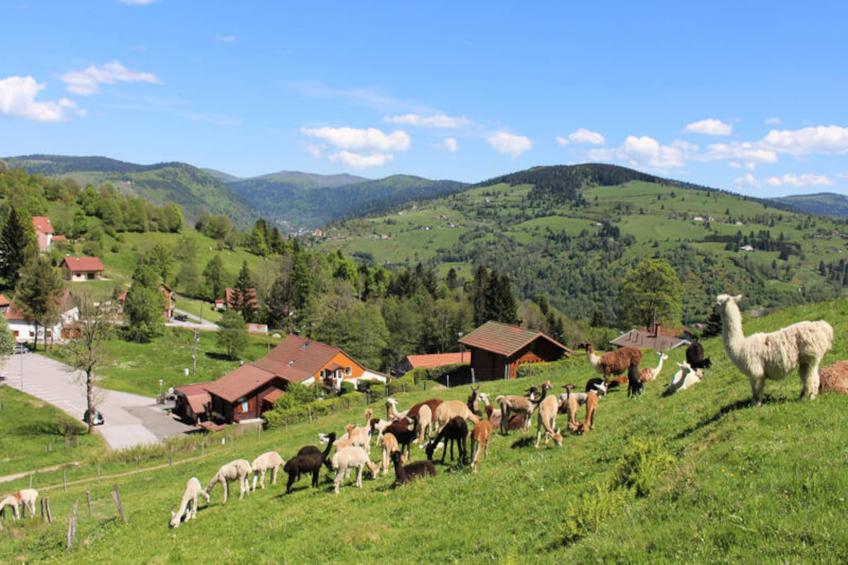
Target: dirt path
<point>21,475</point>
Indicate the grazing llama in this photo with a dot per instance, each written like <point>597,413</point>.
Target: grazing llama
<point>547,415</point>
<point>647,374</point>
<point>612,362</point>
<point>234,470</point>
<point>388,445</point>
<point>513,404</point>
<point>774,355</point>
<point>308,461</point>
<point>480,437</point>
<point>834,378</point>
<point>269,461</point>
<point>454,432</point>
<point>348,458</point>
<point>188,504</point>
<point>25,498</point>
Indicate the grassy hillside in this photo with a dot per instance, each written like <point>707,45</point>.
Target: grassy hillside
<point>823,203</point>
<point>195,190</point>
<point>697,477</point>
<point>302,200</point>
<point>564,234</point>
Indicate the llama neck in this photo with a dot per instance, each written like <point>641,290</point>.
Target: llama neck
<point>659,365</point>
<point>183,505</point>
<point>593,359</point>
<point>732,331</point>
<point>400,472</point>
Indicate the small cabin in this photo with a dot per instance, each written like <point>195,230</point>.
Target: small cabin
<point>498,350</point>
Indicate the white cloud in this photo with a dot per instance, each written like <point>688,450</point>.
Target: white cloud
<point>773,121</point>
<point>356,139</point>
<point>748,180</point>
<point>18,99</point>
<point>431,121</point>
<point>88,81</point>
<point>561,140</point>
<point>645,151</point>
<point>743,153</point>
<point>710,126</point>
<point>137,2</point>
<point>584,135</point>
<point>230,38</point>
<point>509,144</point>
<point>818,139</point>
<point>361,161</point>
<point>792,179</point>
<point>450,144</point>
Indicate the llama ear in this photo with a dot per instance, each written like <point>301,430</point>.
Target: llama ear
<point>737,298</point>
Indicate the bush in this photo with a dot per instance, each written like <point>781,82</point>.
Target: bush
<point>644,465</point>
<point>586,513</point>
<point>347,388</point>
<point>279,417</point>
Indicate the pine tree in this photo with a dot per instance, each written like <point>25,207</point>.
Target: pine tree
<point>479,292</point>
<point>39,293</point>
<point>17,246</point>
<point>452,279</point>
<point>244,295</point>
<point>713,325</point>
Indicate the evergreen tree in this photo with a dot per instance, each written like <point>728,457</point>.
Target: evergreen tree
<point>500,301</point>
<point>479,292</point>
<point>452,279</point>
<point>7,340</point>
<point>17,246</point>
<point>244,295</point>
<point>144,305</point>
<point>713,325</point>
<point>39,293</point>
<point>213,276</point>
<point>232,337</point>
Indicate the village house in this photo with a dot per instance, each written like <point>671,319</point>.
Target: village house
<point>498,350</point>
<point>658,338</point>
<point>25,329</point>
<point>82,268</point>
<point>247,392</point>
<point>432,361</point>
<point>233,298</point>
<point>44,235</point>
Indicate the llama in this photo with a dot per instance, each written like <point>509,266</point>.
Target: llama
<point>588,422</point>
<point>12,501</point>
<point>404,433</point>
<point>388,445</point>
<point>25,498</point>
<point>480,437</point>
<point>354,436</point>
<point>514,404</point>
<point>424,423</point>
<point>695,356</point>
<point>572,402</point>
<point>392,412</point>
<point>450,409</point>
<point>268,461</point>
<point>407,473</point>
<point>455,431</point>
<point>834,378</point>
<point>774,355</point>
<point>596,384</point>
<point>546,418</point>
<point>309,460</point>
<point>685,377</point>
<point>347,458</point>
<point>634,383</point>
<point>188,504</point>
<point>647,374</point>
<point>239,470</point>
<point>473,400</point>
<point>612,362</point>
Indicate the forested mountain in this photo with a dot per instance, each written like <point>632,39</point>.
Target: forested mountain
<point>303,200</point>
<point>822,203</point>
<point>573,232</point>
<point>195,190</point>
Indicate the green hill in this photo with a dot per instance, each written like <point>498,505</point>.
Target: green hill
<point>698,477</point>
<point>572,233</point>
<point>304,200</point>
<point>823,203</point>
<point>195,190</point>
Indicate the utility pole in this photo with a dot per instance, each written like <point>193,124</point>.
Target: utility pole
<point>194,353</point>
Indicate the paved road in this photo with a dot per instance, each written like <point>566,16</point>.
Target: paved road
<point>193,322</point>
<point>130,419</point>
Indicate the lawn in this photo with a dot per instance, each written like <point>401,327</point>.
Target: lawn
<point>138,367</point>
<point>34,434</point>
<point>697,477</point>
<point>199,308</point>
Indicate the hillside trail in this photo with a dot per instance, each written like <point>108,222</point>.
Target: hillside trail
<point>22,474</point>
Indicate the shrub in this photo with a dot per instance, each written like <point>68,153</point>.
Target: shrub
<point>347,388</point>
<point>644,465</point>
<point>586,513</point>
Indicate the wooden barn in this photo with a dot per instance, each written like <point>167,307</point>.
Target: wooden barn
<point>498,350</point>
<point>244,394</point>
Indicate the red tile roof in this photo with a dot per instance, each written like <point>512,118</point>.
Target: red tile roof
<point>14,314</point>
<point>297,359</point>
<point>83,264</point>
<point>239,383</point>
<point>504,339</point>
<point>438,359</point>
<point>4,301</point>
<point>42,224</point>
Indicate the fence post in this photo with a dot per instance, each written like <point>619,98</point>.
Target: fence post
<point>448,381</point>
<point>72,527</point>
<point>116,496</point>
<point>65,479</point>
<point>46,514</point>
<point>88,501</point>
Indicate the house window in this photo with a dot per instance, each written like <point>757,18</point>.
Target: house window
<point>244,407</point>
<point>348,371</point>
<point>31,333</point>
<point>90,276</point>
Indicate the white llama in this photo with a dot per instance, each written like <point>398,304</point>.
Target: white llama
<point>268,461</point>
<point>188,504</point>
<point>774,355</point>
<point>239,470</point>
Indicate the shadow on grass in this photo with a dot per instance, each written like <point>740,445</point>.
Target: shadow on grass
<point>217,356</point>
<point>724,411</point>
<point>523,442</point>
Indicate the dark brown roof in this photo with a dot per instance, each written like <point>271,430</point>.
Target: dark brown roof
<point>297,359</point>
<point>504,339</point>
<point>83,264</point>
<point>437,359</point>
<point>643,339</point>
<point>239,383</point>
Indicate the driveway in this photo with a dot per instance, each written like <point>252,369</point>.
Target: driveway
<point>131,419</point>
<point>193,322</point>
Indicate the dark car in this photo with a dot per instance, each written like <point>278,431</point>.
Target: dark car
<point>98,418</point>
<point>181,318</point>
<point>21,348</point>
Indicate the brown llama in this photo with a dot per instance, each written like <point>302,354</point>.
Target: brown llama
<point>613,363</point>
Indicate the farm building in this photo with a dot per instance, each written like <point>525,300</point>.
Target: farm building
<point>234,299</point>
<point>432,361</point>
<point>660,339</point>
<point>25,329</point>
<point>498,350</point>
<point>82,268</point>
<point>250,390</point>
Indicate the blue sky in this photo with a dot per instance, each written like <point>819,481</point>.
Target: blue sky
<point>739,95</point>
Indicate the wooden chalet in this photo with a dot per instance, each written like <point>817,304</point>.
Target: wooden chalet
<point>658,338</point>
<point>498,350</point>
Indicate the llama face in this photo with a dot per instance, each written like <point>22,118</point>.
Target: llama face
<point>723,299</point>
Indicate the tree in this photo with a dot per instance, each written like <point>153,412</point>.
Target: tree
<point>85,351</point>
<point>652,292</point>
<point>500,303</point>
<point>39,293</point>
<point>452,279</point>
<point>17,246</point>
<point>713,325</point>
<point>213,276</point>
<point>244,294</point>
<point>159,257</point>
<point>144,305</point>
<point>7,340</point>
<point>232,337</point>
<point>479,291</point>
<point>171,218</point>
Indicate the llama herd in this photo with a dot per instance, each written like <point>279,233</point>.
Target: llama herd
<point>436,422</point>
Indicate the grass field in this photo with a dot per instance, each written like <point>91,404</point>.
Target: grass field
<point>137,367</point>
<point>34,434</point>
<point>697,477</point>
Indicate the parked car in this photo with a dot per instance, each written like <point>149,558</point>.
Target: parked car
<point>98,418</point>
<point>21,348</point>
<point>181,318</point>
